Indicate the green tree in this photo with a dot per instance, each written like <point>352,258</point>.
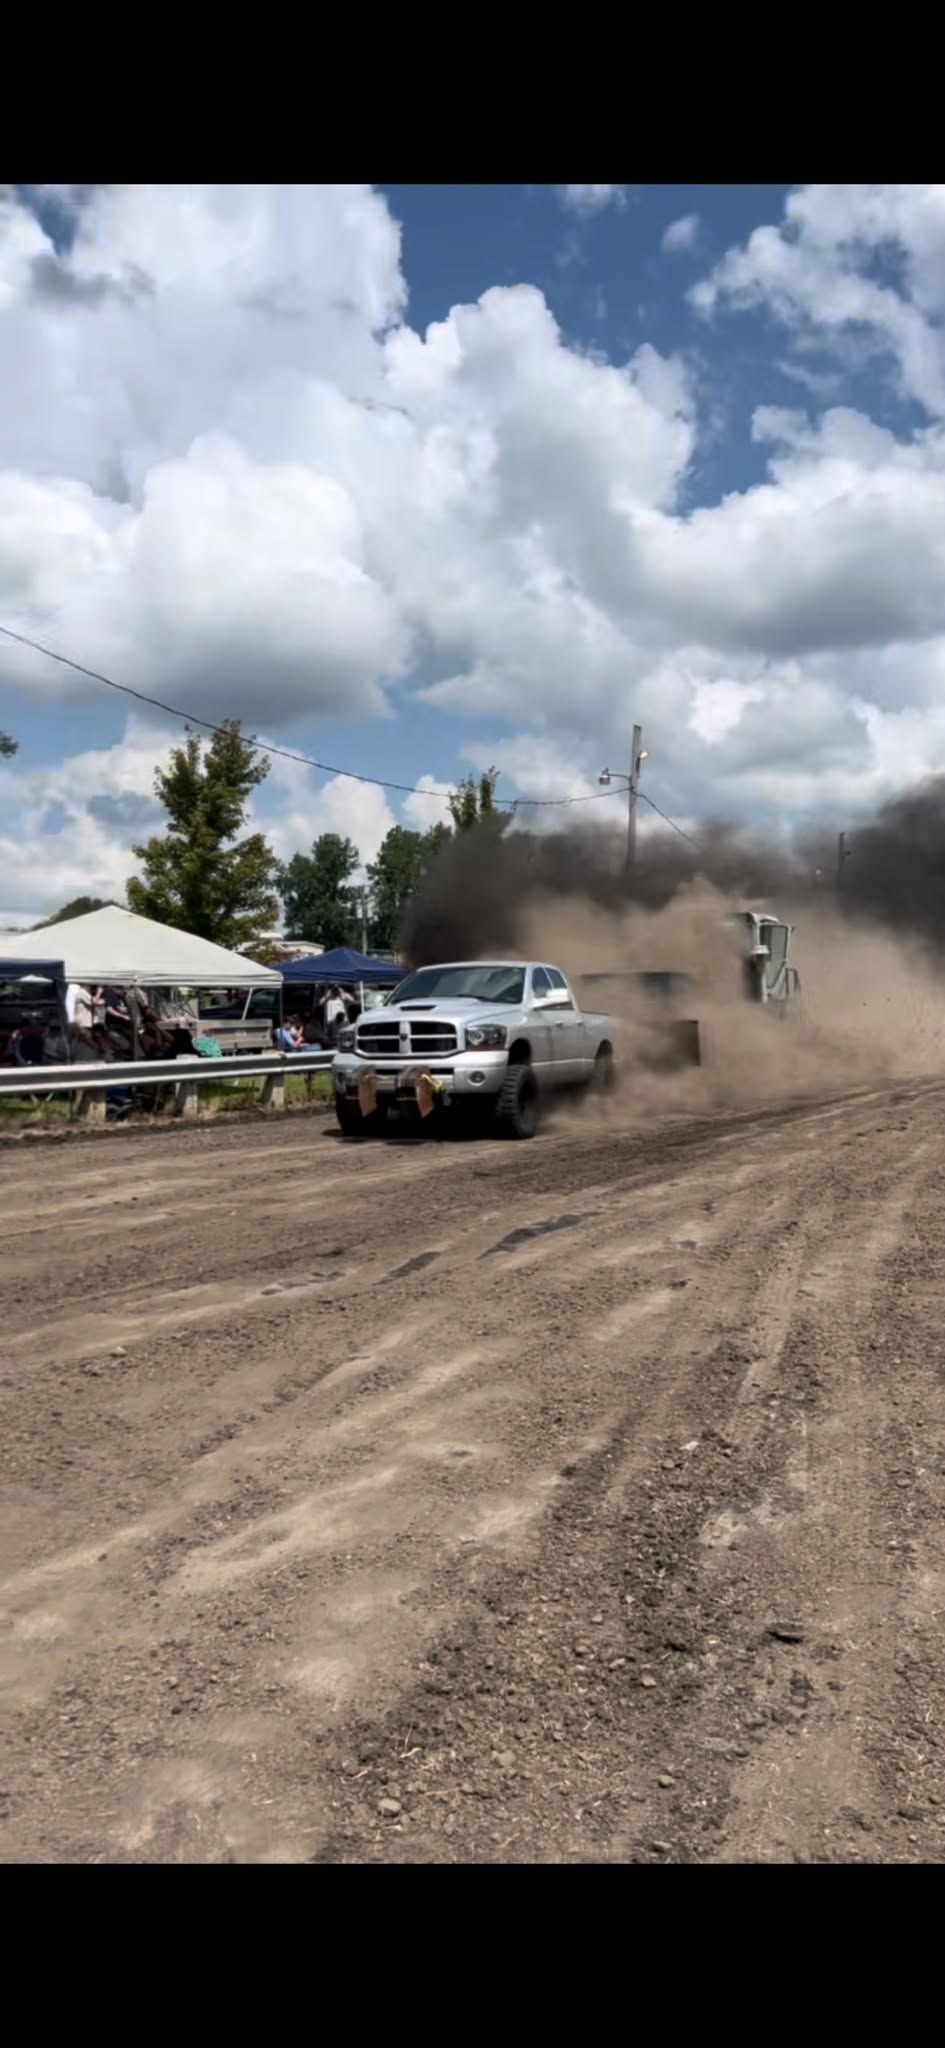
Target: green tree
<point>316,892</point>
<point>77,906</point>
<point>401,863</point>
<point>201,876</point>
<point>8,747</point>
<point>473,803</point>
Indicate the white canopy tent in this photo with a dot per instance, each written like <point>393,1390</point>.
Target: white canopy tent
<point>115,948</point>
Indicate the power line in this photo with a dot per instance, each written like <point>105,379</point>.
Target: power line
<point>207,725</point>
<point>287,753</point>
<point>667,820</point>
<point>307,760</point>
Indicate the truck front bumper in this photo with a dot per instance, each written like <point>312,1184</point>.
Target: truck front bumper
<point>465,1076</point>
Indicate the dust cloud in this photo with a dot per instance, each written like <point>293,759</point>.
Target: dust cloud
<point>866,945</point>
<point>871,1008</point>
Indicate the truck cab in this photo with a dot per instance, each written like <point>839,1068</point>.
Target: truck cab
<point>770,974</point>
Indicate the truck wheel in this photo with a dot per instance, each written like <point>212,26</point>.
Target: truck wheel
<point>353,1125</point>
<point>604,1076</point>
<point>516,1109</point>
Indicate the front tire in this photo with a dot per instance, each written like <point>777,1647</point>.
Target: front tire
<point>516,1110</point>
<point>353,1124</point>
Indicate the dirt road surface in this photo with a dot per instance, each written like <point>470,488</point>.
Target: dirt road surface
<point>577,1500</point>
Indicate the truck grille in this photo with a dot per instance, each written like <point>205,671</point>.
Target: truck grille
<point>429,1039</point>
<point>378,1041</point>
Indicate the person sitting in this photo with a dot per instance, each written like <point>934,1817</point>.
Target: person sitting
<point>118,1101</point>
<point>55,1046</point>
<point>182,1045</point>
<point>28,1044</point>
<point>289,1037</point>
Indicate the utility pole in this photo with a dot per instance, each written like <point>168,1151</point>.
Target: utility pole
<point>843,855</point>
<point>637,755</point>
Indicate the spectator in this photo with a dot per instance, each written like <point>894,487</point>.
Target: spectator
<point>28,1044</point>
<point>79,1007</point>
<point>182,1045</point>
<point>55,1046</point>
<point>101,1052</point>
<point>288,1037</point>
<point>335,1014</point>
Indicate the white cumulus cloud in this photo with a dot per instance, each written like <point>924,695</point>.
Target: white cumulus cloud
<point>681,234</point>
<point>234,474</point>
<point>586,200</point>
<point>825,269</point>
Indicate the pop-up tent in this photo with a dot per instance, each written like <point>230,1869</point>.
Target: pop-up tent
<point>343,965</point>
<point>120,950</point>
<point>31,970</point>
<point>31,988</point>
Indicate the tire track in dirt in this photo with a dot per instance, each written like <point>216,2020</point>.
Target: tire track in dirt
<point>282,1533</point>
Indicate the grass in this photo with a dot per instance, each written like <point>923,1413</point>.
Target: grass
<point>225,1095</point>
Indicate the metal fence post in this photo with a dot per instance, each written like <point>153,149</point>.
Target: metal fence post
<point>273,1092</point>
<point>91,1108</point>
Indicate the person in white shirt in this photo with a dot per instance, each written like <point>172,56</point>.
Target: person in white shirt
<point>335,1014</point>
<point>79,1006</point>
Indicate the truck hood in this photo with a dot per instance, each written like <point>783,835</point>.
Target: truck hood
<point>453,1010</point>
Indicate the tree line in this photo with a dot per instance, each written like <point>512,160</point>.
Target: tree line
<point>205,874</point>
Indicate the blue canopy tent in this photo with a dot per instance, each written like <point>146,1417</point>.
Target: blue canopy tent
<point>343,965</point>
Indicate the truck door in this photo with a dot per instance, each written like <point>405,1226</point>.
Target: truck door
<point>573,1041</point>
<point>547,1049</point>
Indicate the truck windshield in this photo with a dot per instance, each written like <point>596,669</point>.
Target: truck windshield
<point>483,984</point>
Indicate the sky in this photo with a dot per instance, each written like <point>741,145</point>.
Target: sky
<point>424,479</point>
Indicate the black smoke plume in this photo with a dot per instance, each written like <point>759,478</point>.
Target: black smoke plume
<point>476,893</point>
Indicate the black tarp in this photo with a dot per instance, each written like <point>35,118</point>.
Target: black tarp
<point>12,969</point>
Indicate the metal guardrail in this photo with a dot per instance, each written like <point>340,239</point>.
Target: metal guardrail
<point>185,1076</point>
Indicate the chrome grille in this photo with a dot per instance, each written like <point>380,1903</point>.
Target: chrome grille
<point>431,1038</point>
<point>377,1040</point>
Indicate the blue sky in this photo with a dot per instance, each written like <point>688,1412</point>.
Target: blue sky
<point>421,478</point>
<point>610,287</point>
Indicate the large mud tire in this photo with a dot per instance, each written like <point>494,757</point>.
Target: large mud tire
<point>351,1122</point>
<point>517,1106</point>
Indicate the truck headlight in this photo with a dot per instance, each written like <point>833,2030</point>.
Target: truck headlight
<point>485,1037</point>
<point>345,1039</point>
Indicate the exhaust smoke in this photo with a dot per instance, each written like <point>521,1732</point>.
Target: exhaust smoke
<point>868,947</point>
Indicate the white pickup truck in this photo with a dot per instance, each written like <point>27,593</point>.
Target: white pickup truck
<point>490,1037</point>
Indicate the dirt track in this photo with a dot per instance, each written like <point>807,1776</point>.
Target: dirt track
<point>566,1501</point>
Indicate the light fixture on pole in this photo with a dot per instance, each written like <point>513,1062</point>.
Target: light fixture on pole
<point>638,755</point>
